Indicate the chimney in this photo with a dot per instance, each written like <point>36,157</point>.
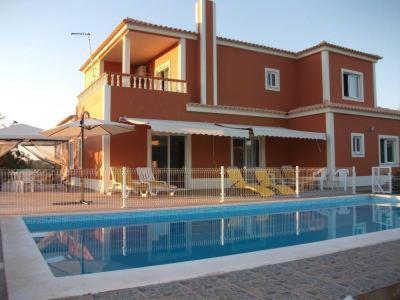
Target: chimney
<point>205,19</point>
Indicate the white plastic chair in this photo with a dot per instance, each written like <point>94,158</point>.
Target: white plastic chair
<point>17,184</point>
<point>320,175</point>
<point>340,176</point>
<point>27,177</point>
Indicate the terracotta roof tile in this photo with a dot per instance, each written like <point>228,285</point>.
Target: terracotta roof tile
<point>257,45</point>
<point>139,22</point>
<point>326,44</point>
<point>287,52</point>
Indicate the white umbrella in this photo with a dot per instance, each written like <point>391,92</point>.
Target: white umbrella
<point>23,132</point>
<point>87,127</point>
<point>92,127</point>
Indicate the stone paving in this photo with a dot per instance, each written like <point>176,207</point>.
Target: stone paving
<point>334,276</point>
<point>3,288</point>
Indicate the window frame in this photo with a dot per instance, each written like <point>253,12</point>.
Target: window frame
<point>361,85</point>
<point>277,86</point>
<point>396,150</point>
<point>362,145</point>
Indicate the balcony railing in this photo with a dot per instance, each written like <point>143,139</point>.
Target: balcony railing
<point>147,83</point>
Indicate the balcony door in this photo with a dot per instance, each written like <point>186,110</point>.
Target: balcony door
<point>163,72</point>
<point>168,152</point>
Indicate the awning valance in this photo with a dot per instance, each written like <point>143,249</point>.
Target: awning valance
<point>283,132</point>
<point>220,129</point>
<point>187,127</point>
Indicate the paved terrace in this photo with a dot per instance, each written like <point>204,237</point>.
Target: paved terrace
<point>358,272</point>
<point>59,202</point>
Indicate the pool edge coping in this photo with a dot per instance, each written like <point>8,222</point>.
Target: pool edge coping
<point>128,210</point>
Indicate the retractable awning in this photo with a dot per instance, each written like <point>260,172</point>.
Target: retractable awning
<point>220,129</point>
<point>281,132</point>
<point>187,127</point>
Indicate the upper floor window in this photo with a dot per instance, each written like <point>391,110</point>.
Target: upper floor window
<point>389,149</point>
<point>352,85</point>
<point>272,79</point>
<point>357,145</point>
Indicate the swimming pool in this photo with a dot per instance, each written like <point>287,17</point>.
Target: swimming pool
<point>93,243</point>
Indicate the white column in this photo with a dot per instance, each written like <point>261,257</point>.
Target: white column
<point>326,90</point>
<point>262,151</point>
<point>149,138</point>
<point>126,59</point>
<point>105,167</point>
<point>182,59</point>
<point>374,83</point>
<point>201,25</point>
<point>330,142</point>
<point>215,73</point>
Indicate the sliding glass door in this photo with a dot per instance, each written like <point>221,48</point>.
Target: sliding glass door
<point>169,152</point>
<point>245,153</point>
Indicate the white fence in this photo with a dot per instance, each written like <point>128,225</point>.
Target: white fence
<point>30,191</point>
<point>382,180</point>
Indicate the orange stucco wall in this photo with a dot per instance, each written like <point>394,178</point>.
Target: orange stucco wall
<point>129,149</point>
<point>308,80</point>
<point>339,61</point>
<point>241,79</point>
<point>210,152</point>
<point>171,106</point>
<point>346,124</point>
<point>193,70</point>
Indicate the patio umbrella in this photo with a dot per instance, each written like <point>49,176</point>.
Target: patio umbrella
<point>86,127</point>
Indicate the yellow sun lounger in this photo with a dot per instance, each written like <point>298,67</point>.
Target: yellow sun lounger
<point>235,176</point>
<point>264,180</point>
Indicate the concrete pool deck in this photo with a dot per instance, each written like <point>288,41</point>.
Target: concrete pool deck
<point>353,272</point>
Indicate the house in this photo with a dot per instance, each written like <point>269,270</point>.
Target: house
<point>202,101</point>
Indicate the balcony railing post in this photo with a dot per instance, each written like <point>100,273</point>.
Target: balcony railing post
<point>297,181</point>
<point>353,173</point>
<point>390,180</point>
<point>124,194</point>
<point>222,175</point>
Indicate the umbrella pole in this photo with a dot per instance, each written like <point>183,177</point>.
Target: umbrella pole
<point>82,161</point>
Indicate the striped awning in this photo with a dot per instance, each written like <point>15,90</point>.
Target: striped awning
<point>222,129</point>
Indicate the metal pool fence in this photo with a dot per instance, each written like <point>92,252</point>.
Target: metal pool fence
<point>38,191</point>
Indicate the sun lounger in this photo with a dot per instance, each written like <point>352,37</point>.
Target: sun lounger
<point>154,186</point>
<point>235,176</point>
<point>264,179</point>
<point>131,185</point>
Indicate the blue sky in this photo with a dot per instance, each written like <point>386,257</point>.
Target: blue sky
<point>39,75</point>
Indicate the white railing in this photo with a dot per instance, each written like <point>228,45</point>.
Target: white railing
<point>147,83</point>
<point>29,191</point>
<point>381,180</point>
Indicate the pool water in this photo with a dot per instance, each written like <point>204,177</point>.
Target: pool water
<point>80,244</point>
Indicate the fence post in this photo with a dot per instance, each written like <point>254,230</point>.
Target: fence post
<point>124,195</point>
<point>222,175</point>
<point>390,180</point>
<point>297,182</point>
<point>353,173</point>
<point>373,181</point>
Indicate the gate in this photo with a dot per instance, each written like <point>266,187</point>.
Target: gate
<point>382,180</point>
